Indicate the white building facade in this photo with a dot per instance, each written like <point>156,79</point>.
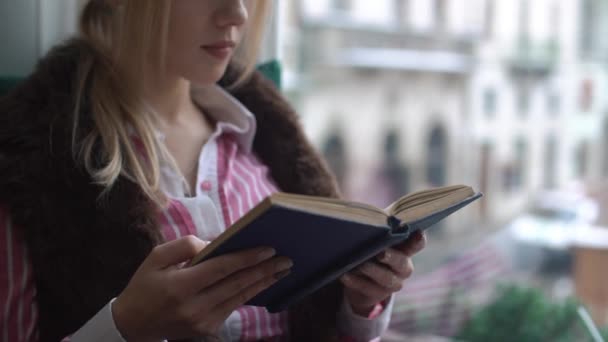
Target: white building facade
<point>498,94</point>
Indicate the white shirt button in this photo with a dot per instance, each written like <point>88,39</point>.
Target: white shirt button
<point>206,186</point>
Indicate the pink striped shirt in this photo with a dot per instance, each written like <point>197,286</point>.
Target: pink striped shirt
<point>231,180</point>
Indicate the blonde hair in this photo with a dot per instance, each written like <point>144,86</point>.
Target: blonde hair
<point>122,38</point>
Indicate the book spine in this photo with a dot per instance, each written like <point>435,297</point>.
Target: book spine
<point>393,222</point>
<point>397,227</point>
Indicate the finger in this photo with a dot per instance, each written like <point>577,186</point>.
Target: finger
<point>382,276</point>
<point>207,273</point>
<point>365,287</point>
<point>242,280</point>
<point>397,261</point>
<point>227,307</point>
<point>413,245</point>
<point>402,268</point>
<point>175,252</point>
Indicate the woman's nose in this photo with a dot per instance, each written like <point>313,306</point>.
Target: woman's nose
<point>232,13</point>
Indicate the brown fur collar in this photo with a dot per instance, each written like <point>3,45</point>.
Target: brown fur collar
<point>84,251</point>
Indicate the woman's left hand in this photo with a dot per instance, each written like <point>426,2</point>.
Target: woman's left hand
<point>376,280</point>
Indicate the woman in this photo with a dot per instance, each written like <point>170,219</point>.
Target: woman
<point>128,148</point>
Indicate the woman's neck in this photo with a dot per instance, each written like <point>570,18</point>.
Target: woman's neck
<point>170,98</point>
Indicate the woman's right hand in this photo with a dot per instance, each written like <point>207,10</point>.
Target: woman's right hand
<point>166,301</point>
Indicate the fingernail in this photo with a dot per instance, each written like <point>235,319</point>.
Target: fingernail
<point>394,281</point>
<point>421,240</point>
<point>284,265</point>
<point>386,256</point>
<point>282,275</point>
<point>267,253</point>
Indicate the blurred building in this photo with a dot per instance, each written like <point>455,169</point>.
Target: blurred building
<point>537,99</point>
<point>507,96</point>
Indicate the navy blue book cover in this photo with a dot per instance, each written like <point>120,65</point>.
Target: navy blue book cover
<point>322,248</point>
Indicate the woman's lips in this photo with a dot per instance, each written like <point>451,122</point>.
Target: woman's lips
<point>220,50</point>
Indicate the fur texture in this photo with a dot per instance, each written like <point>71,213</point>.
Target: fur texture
<point>84,250</point>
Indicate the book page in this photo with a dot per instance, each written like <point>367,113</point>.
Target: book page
<point>423,203</point>
<point>350,211</point>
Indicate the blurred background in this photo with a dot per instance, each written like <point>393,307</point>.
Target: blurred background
<point>508,96</point>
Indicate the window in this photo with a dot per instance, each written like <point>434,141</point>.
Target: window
<point>342,5</point>
<point>586,95</point>
<point>521,155</point>
<point>582,159</point>
<point>524,20</point>
<point>553,104</point>
<point>334,150</point>
<point>605,150</point>
<point>394,171</point>
<point>489,19</point>
<point>523,100</point>
<point>550,162</point>
<point>515,172</point>
<point>587,29</point>
<point>403,13</point>
<point>437,155</point>
<point>440,14</point>
<point>489,102</point>
<point>487,151</point>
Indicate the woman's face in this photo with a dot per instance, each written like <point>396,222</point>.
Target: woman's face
<point>203,35</point>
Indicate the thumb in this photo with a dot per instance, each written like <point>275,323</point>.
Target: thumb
<point>176,251</point>
<point>413,245</point>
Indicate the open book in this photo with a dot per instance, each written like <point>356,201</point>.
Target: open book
<point>326,238</point>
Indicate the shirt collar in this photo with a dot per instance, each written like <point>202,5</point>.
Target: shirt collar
<point>230,114</point>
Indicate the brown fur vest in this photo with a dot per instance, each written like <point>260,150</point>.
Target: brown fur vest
<point>84,251</point>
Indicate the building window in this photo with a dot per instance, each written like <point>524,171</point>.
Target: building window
<point>605,150</point>
<point>588,24</point>
<point>550,162</point>
<point>437,157</point>
<point>521,162</point>
<point>489,19</point>
<point>394,171</point>
<point>402,9</point>
<point>586,95</point>
<point>490,102</point>
<point>582,159</point>
<point>342,5</point>
<point>553,104</point>
<point>524,19</point>
<point>441,14</point>
<point>486,174</point>
<point>523,101</point>
<point>515,172</point>
<point>334,150</point>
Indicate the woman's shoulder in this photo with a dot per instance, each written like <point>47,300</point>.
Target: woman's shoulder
<point>35,117</point>
<point>32,108</point>
<point>52,79</point>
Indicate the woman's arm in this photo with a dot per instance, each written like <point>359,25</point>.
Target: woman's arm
<point>355,328</point>
<point>19,311</point>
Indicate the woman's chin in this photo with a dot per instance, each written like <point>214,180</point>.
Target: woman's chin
<point>210,77</point>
